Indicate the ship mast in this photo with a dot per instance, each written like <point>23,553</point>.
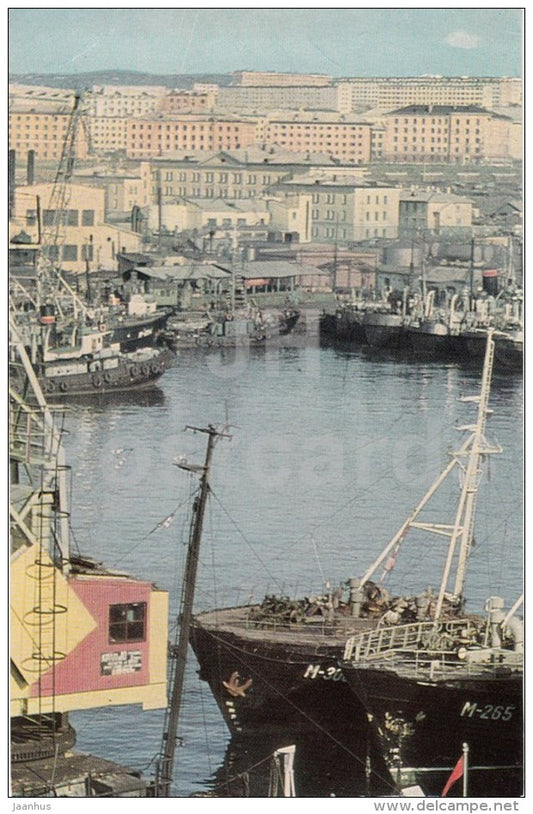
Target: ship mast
<point>179,651</point>
<point>463,529</point>
<point>468,458</point>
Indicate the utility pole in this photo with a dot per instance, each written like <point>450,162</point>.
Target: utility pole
<point>179,651</point>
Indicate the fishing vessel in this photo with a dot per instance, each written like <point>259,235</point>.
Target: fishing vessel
<point>277,663</point>
<point>432,676</point>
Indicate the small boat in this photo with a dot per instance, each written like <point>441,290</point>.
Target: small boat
<point>87,364</point>
<point>431,676</point>
<point>231,328</point>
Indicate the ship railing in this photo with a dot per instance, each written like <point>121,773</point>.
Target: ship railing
<point>270,623</point>
<point>425,637</point>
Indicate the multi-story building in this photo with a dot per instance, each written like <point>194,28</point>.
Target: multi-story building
<point>441,133</point>
<point>40,98</point>
<point>124,188</point>
<point>424,212</point>
<point>234,174</point>
<point>345,138</point>
<point>398,91</point>
<point>266,78</point>
<point>259,98</point>
<point>107,134</point>
<point>347,209</point>
<point>148,137</point>
<point>186,101</point>
<point>74,235</point>
<point>44,133</point>
<point>124,100</point>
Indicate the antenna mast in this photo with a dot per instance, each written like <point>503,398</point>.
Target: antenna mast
<point>179,651</point>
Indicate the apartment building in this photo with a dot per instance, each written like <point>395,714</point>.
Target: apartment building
<point>79,235</point>
<point>40,98</point>
<point>107,134</point>
<point>347,209</point>
<point>124,100</point>
<point>149,137</point>
<point>259,98</point>
<point>45,133</point>
<point>266,78</point>
<point>442,133</point>
<point>391,92</point>
<point>185,101</point>
<point>232,174</point>
<point>344,138</point>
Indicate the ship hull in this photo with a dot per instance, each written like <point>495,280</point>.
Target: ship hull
<point>143,332</point>
<point>127,373</point>
<point>427,722</point>
<point>428,339</point>
<point>383,330</point>
<point>268,686</point>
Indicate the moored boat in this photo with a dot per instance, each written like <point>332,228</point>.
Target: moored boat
<point>383,329</point>
<point>433,677</point>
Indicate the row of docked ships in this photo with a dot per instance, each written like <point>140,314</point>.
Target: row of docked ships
<point>416,325</point>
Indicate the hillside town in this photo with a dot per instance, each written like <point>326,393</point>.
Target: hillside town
<point>348,180</point>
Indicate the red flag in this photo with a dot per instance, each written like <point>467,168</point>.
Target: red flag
<point>455,775</point>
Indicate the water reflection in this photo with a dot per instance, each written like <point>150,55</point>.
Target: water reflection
<point>322,767</point>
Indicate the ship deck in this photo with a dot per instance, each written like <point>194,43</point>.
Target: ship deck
<point>314,630</point>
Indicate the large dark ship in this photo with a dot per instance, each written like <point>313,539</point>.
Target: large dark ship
<point>432,690</point>
<point>434,679</point>
<point>278,664</point>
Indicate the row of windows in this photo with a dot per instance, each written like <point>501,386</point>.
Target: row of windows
<point>69,252</point>
<point>228,128</point>
<point>64,217</point>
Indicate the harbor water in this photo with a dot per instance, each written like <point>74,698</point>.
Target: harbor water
<point>329,452</point>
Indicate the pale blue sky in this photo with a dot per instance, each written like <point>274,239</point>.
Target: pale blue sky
<point>341,41</point>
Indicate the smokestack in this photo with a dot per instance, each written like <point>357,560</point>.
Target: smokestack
<point>30,172</point>
<point>11,181</point>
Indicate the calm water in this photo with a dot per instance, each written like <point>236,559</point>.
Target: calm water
<point>329,453</point>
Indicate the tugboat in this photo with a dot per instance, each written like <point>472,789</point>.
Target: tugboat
<point>85,363</point>
<point>432,677</point>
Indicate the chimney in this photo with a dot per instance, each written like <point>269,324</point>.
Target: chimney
<point>30,172</point>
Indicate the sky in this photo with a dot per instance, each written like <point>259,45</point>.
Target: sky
<point>337,41</point>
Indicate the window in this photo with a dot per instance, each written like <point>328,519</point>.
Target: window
<point>70,252</point>
<point>87,217</point>
<point>127,623</point>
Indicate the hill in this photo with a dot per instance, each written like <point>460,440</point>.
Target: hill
<point>113,77</point>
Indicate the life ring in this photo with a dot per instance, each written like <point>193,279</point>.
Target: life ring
<point>134,371</point>
<point>102,327</point>
<point>97,380</point>
<point>63,386</point>
<point>108,377</point>
<point>145,369</point>
<point>156,367</point>
<point>50,386</point>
